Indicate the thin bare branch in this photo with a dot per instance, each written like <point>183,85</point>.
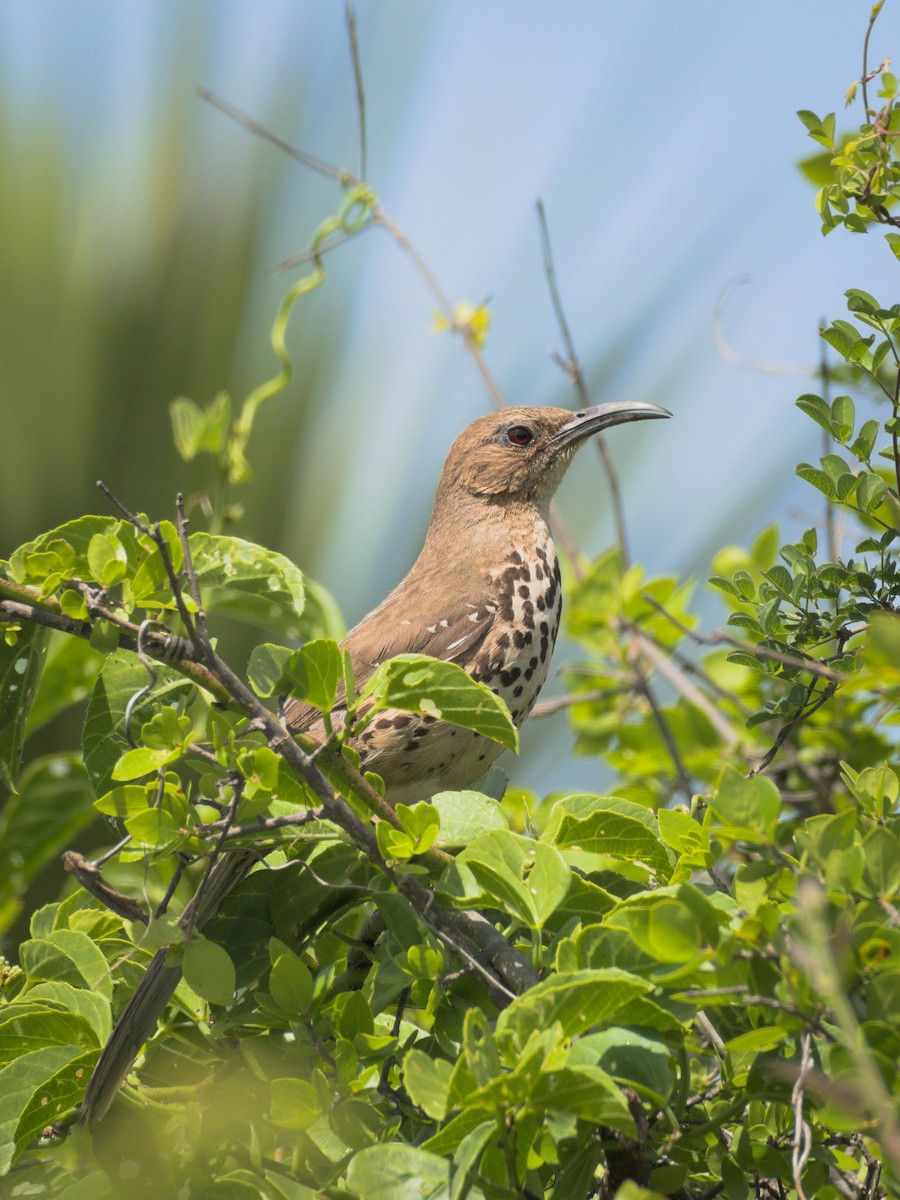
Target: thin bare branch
<point>262,131</point>
<point>572,366</point>
<point>350,17</point>
<point>553,704</point>
<point>88,875</point>
<point>762,652</point>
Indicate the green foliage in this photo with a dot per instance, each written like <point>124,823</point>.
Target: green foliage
<point>689,985</point>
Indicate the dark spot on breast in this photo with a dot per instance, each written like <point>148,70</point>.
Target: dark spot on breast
<point>524,591</point>
<point>529,671</point>
<point>503,641</point>
<point>411,745</point>
<point>453,733</point>
<point>515,557</point>
<point>383,723</point>
<point>545,648</point>
<point>402,721</point>
<point>528,615</point>
<point>538,571</point>
<point>482,757</point>
<point>420,732</point>
<point>541,604</point>
<point>507,678</point>
<point>519,690</point>
<point>545,628</point>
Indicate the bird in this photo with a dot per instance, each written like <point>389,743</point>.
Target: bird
<point>485,592</point>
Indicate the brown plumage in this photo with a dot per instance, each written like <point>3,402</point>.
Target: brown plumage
<point>484,593</point>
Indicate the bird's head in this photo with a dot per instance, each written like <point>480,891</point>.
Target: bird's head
<point>521,454</point>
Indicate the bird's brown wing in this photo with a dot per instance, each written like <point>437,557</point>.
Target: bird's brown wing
<point>388,631</point>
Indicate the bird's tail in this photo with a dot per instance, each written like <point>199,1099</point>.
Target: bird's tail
<point>142,1012</point>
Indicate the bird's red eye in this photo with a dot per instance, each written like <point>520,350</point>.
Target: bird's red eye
<point>520,435</point>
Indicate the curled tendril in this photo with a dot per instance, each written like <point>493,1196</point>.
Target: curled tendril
<point>354,214</point>
<point>145,627</point>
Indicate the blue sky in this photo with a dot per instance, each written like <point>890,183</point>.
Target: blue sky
<point>661,136</point>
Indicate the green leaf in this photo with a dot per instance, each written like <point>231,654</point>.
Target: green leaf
<point>266,669</point>
<point>417,683</point>
<point>870,491</point>
<point>67,955</point>
<point>393,1171</point>
<point>208,970</point>
<point>103,739</point>
<point>295,1103</point>
<point>200,431</point>
<point>141,761</point>
<point>311,673</point>
<point>865,441</point>
<point>73,537</point>
<point>843,418</point>
<point>634,1059</point>
<point>750,805</point>
<point>317,668</point>
<point>427,1081</point>
<point>107,559</point>
<point>20,670</point>
<point>55,1097</point>
<point>52,806</point>
<point>290,982</point>
<point>248,582</point>
<point>665,929</point>
<point>585,1090</point>
<point>465,815</point>
<point>20,1081</point>
<point>815,407</point>
<point>881,868</point>
<point>579,1000</point>
<point>90,1006</point>
<point>608,825</point>
<point>70,670</point>
<point>528,879</point>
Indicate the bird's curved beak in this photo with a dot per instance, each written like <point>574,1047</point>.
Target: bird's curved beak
<point>602,416</point>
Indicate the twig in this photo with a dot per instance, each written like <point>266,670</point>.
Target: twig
<point>180,866</point>
<point>553,704</point>
<point>381,217</point>
<point>671,672</point>
<point>199,636</point>
<point>350,17</point>
<point>788,728</point>
<point>742,993</point>
<point>264,824</point>
<point>643,686</point>
<point>237,788</point>
<point>763,652</point>
<point>88,875</point>
<point>307,160</point>
<point>802,1143</point>
<point>41,612</point>
<point>830,509</point>
<point>153,532</point>
<point>572,366</point>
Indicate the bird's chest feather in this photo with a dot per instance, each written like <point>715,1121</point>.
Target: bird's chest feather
<point>515,657</point>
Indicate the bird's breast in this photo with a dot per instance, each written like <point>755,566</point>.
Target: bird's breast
<point>515,657</point>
